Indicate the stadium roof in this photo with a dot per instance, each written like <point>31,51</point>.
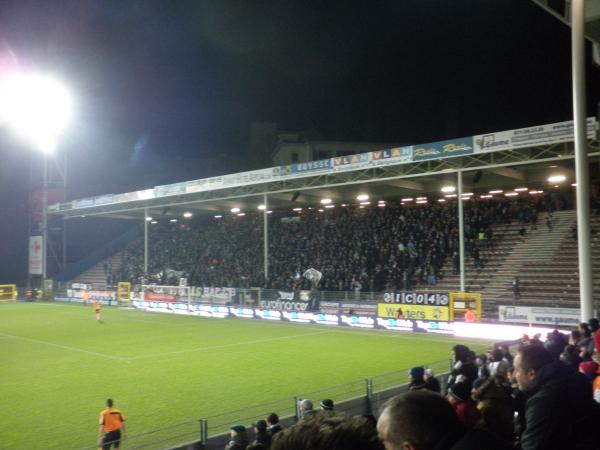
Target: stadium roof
<point>560,10</point>
<point>502,160</point>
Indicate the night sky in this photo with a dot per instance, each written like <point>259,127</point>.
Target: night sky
<point>167,90</point>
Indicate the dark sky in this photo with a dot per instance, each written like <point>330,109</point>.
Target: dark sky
<point>161,84</point>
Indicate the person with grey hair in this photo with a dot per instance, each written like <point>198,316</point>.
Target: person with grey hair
<point>424,420</point>
<point>306,409</point>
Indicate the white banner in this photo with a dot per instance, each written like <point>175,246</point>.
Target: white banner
<point>553,133</point>
<point>539,315</point>
<point>36,255</point>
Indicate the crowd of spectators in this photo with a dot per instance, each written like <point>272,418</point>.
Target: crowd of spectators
<point>537,399</point>
<point>370,249</point>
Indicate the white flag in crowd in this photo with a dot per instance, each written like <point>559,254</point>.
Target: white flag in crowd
<point>312,275</point>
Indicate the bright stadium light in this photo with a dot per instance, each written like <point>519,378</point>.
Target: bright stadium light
<point>556,178</point>
<point>448,189</point>
<point>235,210</point>
<point>520,189</point>
<point>364,203</point>
<point>325,201</point>
<point>173,220</point>
<point>187,215</point>
<point>362,197</point>
<point>496,191</point>
<point>218,216</point>
<point>262,207</point>
<point>329,206</point>
<point>407,199</point>
<point>241,214</point>
<point>148,219</point>
<point>37,107</point>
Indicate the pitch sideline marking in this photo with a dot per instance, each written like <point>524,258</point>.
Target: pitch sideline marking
<point>64,347</point>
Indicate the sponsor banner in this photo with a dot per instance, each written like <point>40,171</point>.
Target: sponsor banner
<point>125,197</point>
<point>170,189</point>
<point>212,294</point>
<point>268,314</point>
<point>417,298</point>
<point>153,296</point>
<point>397,155</point>
<point>232,180</point>
<point>83,203</point>
<point>413,312</point>
<point>358,321</point>
<point>81,286</point>
<point>104,199</point>
<point>553,133</point>
<point>416,325</point>
<point>539,315</point>
<point>284,305</point>
<point>443,149</point>
<point>102,297</point>
<point>326,319</point>
<point>351,162</point>
<point>500,332</point>
<point>248,313</point>
<point>305,169</point>
<point>36,255</point>
<point>146,194</point>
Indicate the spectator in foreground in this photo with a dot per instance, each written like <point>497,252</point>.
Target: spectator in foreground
<point>261,436</point>
<point>431,382</point>
<point>417,379</point>
<point>273,423</point>
<point>459,397</point>
<point>329,432</point>
<point>239,438</point>
<point>422,420</point>
<point>326,406</point>
<point>306,409</point>
<point>496,407</point>
<point>560,412</point>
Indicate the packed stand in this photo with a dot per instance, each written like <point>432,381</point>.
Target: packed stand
<point>371,249</point>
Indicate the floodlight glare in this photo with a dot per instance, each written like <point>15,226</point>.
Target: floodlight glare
<point>362,197</point>
<point>187,215</point>
<point>235,210</point>
<point>36,107</point>
<point>262,207</point>
<point>325,201</point>
<point>557,178</point>
<point>448,189</point>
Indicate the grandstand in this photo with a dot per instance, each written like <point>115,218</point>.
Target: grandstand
<point>355,245</point>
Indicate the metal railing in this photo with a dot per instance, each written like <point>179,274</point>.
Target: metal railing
<point>210,432</point>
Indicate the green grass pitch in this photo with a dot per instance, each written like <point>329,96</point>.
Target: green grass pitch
<point>59,366</point>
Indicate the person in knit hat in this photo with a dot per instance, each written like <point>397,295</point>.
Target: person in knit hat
<point>459,397</point>
<point>417,381</point>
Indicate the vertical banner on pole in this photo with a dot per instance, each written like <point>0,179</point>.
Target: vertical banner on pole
<point>36,255</point>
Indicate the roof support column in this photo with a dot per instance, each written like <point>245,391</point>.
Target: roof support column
<point>266,237</point>
<point>145,245</point>
<point>461,231</point>
<point>582,175</point>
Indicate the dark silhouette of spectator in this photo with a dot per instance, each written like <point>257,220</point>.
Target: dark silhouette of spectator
<point>463,368</point>
<point>239,438</point>
<point>431,382</point>
<point>459,397</point>
<point>423,420</point>
<point>496,407</point>
<point>261,436</point>
<point>329,432</point>
<point>327,406</point>
<point>416,379</point>
<point>273,423</point>
<point>560,412</point>
<point>516,288</point>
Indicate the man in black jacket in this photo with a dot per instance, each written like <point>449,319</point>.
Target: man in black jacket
<point>560,412</point>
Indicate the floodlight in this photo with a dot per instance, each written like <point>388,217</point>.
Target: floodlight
<point>448,189</point>
<point>362,197</point>
<point>262,207</point>
<point>187,215</point>
<point>557,178</point>
<point>235,210</point>
<point>325,201</point>
<point>36,107</point>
